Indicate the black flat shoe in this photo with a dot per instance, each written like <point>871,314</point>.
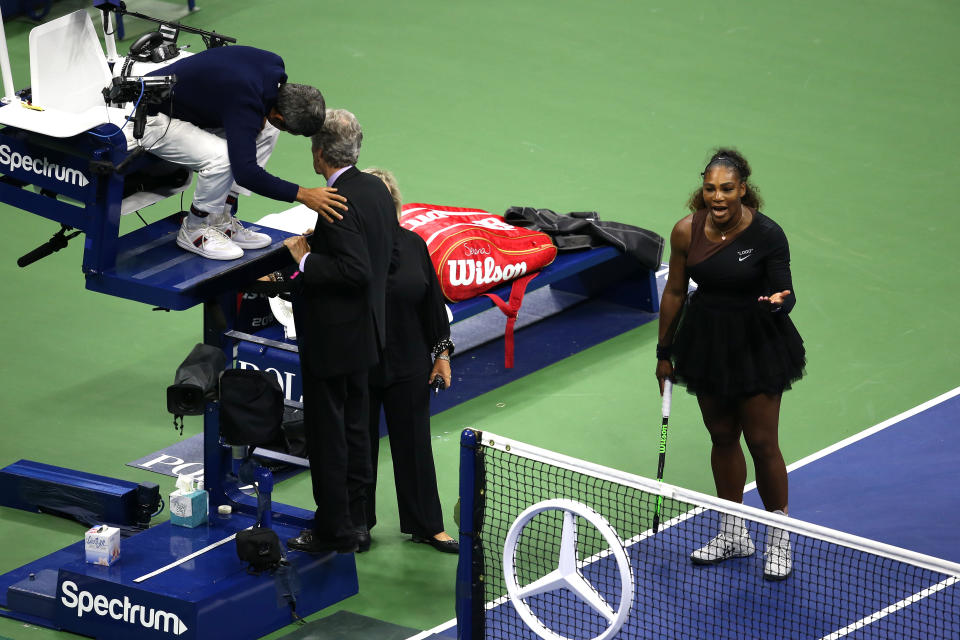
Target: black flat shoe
<point>446,546</point>
<point>308,543</point>
<point>363,539</point>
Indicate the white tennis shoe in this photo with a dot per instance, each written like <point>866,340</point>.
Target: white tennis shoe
<point>241,236</point>
<point>723,547</point>
<point>208,242</point>
<point>778,563</point>
<point>733,541</point>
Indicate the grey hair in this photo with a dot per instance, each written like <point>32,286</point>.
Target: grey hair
<point>302,108</point>
<point>339,139</point>
<point>391,182</point>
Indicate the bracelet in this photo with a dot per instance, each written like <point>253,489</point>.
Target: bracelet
<point>442,356</point>
<point>664,352</point>
<point>444,345</point>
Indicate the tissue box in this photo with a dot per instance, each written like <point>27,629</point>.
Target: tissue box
<point>189,508</point>
<point>102,545</point>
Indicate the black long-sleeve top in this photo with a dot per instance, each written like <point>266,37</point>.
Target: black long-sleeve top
<point>416,315</point>
<point>754,263</point>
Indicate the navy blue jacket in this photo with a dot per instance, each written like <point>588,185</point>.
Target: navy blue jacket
<point>233,88</point>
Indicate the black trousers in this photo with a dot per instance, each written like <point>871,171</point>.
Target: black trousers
<point>335,424</point>
<point>406,407</point>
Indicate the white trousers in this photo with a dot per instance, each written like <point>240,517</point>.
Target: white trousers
<point>202,150</point>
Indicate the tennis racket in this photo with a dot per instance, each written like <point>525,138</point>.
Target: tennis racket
<point>665,412</point>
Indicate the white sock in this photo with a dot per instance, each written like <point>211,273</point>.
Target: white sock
<point>777,537</point>
<point>732,525</point>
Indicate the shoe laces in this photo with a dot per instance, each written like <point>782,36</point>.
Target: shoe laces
<point>723,539</point>
<point>233,226</point>
<point>718,544</point>
<point>212,235</point>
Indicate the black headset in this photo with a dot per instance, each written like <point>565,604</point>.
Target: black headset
<point>152,47</point>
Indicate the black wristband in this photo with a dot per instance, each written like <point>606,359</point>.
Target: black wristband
<point>664,353</point>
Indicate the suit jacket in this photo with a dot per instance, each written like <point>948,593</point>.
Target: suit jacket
<point>339,307</point>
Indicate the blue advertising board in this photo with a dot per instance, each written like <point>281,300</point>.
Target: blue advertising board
<point>104,609</point>
<point>45,166</point>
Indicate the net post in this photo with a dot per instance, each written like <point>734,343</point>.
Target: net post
<point>469,591</point>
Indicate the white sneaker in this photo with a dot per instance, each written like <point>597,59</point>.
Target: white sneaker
<point>723,547</point>
<point>733,541</point>
<point>778,563</point>
<point>241,236</point>
<point>208,242</point>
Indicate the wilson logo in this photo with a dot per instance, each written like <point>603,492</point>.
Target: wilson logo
<point>467,272</point>
<point>43,167</point>
<point>122,610</point>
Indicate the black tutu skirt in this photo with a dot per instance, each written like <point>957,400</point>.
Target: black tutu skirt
<point>732,347</point>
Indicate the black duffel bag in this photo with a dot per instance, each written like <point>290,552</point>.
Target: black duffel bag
<point>251,407</point>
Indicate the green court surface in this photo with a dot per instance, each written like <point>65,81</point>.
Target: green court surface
<point>847,112</point>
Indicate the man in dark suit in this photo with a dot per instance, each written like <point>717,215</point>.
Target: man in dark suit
<point>339,315</point>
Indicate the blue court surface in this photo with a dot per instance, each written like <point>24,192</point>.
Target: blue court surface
<point>677,599</point>
<point>889,483</point>
<point>895,482</point>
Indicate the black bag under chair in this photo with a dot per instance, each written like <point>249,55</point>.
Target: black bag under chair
<point>251,407</point>
<point>259,547</point>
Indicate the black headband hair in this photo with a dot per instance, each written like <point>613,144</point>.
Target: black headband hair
<point>727,159</point>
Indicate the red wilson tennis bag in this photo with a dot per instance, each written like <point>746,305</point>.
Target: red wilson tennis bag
<point>473,250</point>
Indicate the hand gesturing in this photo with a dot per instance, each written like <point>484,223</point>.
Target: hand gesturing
<point>774,299</point>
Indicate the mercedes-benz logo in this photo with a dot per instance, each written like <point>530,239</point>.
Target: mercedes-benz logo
<point>567,575</point>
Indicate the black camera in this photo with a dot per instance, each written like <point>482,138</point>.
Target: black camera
<point>149,503</point>
<point>196,381</point>
<point>141,91</point>
<point>153,89</point>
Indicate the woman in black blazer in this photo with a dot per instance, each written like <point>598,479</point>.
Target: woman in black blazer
<point>417,352</point>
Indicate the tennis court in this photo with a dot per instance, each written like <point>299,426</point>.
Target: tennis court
<point>840,586</point>
<point>891,482</point>
<point>847,111</point>
<point>677,599</point>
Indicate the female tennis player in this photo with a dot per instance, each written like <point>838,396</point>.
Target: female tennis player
<point>733,345</point>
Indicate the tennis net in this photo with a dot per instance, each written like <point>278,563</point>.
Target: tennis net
<point>554,547</point>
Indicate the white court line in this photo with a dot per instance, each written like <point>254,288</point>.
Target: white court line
<point>906,602</point>
<point>426,634</point>
<point>796,465</point>
<point>920,408</point>
<point>186,558</point>
<point>883,613</point>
